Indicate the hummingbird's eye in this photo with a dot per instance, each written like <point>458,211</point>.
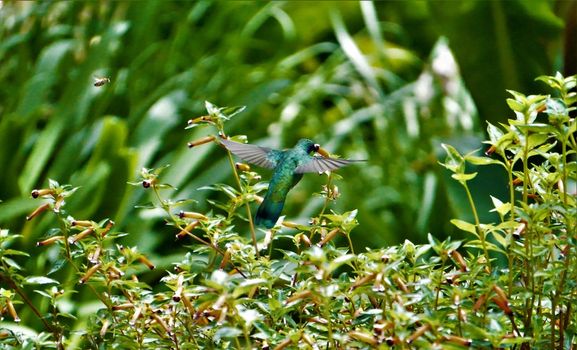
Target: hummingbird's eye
<point>316,147</point>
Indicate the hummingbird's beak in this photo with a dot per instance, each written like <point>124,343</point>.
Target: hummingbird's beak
<point>323,152</point>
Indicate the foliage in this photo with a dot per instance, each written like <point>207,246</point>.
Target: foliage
<point>92,92</point>
<point>366,80</point>
<point>511,285</point>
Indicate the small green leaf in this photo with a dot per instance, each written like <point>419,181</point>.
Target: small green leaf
<point>454,161</point>
<point>232,111</point>
<point>40,280</point>
<point>475,160</point>
<point>495,133</point>
<point>516,105</point>
<point>15,252</point>
<point>518,96</point>
<point>464,226</point>
<point>464,177</point>
<point>13,264</point>
<point>500,207</point>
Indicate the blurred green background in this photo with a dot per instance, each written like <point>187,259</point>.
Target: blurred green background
<point>385,81</point>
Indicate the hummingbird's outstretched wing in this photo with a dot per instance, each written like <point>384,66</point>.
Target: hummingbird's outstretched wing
<point>261,156</point>
<point>321,164</point>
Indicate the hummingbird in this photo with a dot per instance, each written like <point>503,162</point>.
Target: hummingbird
<point>289,166</point>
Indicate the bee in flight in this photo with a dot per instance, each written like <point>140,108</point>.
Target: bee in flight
<point>101,81</point>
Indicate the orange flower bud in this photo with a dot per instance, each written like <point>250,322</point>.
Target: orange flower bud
<point>37,211</point>
<point>161,323</point>
<point>289,224</point>
<point>186,231</point>
<point>135,316</point>
<point>401,284</point>
<point>298,296</point>
<point>94,255</point>
<point>459,259</point>
<point>490,151</point>
<point>306,239</point>
<point>480,302</point>
<point>364,337</point>
<point>418,333</point>
<point>49,241</point>
<point>187,304</point>
<point>500,292</point>
<point>107,228</point>
<point>116,270</point>
<point>282,345</point>
<point>124,306</point>
<point>329,236</point>
<point>201,141</point>
<point>363,280</point>
<point>89,273</point>
<point>58,203</point>
<point>204,118</point>
<point>503,304</point>
<point>82,223</point>
<point>104,328</point>
<point>146,262</point>
<point>225,259</point>
<point>192,215</point>
<point>41,192</point>
<point>12,310</point>
<point>458,340</point>
<point>80,236</point>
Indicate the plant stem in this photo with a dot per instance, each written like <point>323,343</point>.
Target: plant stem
<point>327,197</point>
<point>247,206</point>
<point>510,255</point>
<point>480,231</point>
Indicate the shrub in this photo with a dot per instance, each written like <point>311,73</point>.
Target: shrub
<point>511,285</point>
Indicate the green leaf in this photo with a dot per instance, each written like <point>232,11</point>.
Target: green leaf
<point>40,280</point>
<point>500,207</point>
<point>519,97</point>
<point>464,226</point>
<point>464,177</point>
<point>454,160</point>
<point>15,252</point>
<point>232,111</point>
<point>516,105</point>
<point>475,160</point>
<point>13,264</point>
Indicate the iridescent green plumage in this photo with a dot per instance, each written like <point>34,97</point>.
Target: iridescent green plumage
<point>289,167</point>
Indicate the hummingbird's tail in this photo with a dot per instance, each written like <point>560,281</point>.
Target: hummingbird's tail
<point>268,213</point>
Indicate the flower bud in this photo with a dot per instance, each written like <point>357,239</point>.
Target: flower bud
<point>144,260</point>
<point>49,241</point>
<point>192,215</point>
<point>89,273</point>
<point>42,192</point>
<point>37,211</point>
<point>201,141</point>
